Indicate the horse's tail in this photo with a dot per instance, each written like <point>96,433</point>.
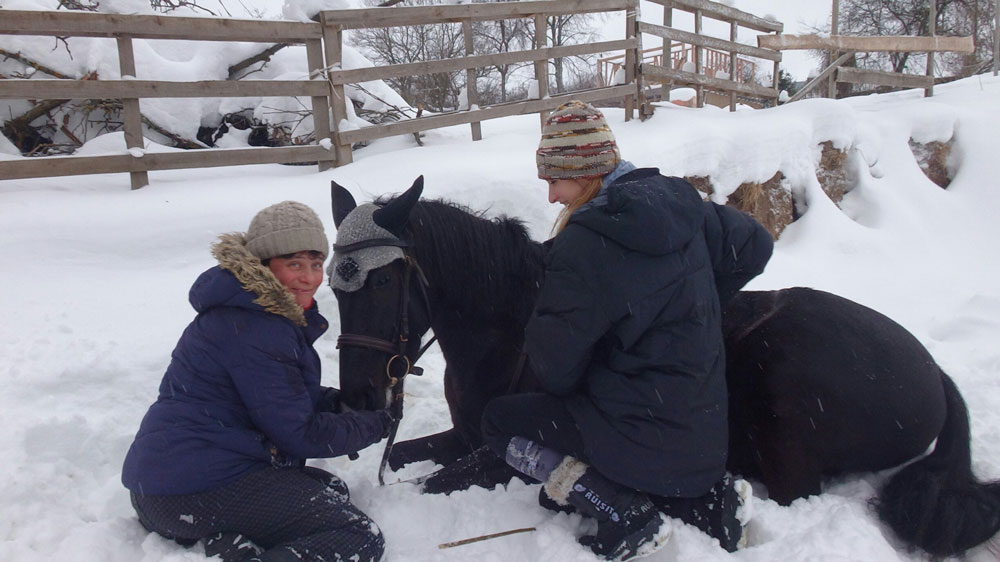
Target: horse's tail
<point>937,503</point>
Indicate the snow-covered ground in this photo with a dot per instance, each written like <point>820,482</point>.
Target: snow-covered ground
<point>96,278</point>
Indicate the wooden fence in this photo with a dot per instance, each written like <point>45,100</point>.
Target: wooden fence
<point>842,49</point>
<point>699,78</point>
<point>334,22</point>
<point>125,28</point>
<point>324,49</point>
<point>680,53</point>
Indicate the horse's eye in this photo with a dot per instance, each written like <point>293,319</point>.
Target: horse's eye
<point>381,280</point>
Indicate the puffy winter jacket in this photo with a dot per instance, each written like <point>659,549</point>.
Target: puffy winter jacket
<point>627,327</point>
<point>242,391</point>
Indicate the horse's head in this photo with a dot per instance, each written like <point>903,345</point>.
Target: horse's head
<point>380,293</point>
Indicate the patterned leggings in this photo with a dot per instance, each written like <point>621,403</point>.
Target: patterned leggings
<point>290,513</point>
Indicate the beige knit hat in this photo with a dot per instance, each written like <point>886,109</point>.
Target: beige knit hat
<point>286,228</point>
<point>576,143</point>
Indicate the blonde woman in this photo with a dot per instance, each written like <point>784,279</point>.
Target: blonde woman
<point>626,342</point>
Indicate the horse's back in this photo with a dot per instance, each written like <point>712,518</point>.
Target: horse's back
<point>826,382</point>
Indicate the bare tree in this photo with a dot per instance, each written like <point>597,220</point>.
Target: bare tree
<point>414,43</point>
<point>911,17</point>
<point>572,29</point>
<point>501,36</point>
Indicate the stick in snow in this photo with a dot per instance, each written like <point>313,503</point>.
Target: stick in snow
<point>485,537</point>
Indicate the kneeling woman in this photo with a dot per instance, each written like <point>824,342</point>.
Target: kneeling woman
<point>626,342</point>
<point>220,456</point>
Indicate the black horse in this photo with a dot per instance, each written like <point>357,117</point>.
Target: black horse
<point>819,385</point>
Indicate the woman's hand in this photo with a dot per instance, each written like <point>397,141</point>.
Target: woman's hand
<point>388,419</point>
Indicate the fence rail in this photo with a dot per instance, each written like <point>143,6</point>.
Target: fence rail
<point>336,21</point>
<point>125,28</point>
<point>325,86</point>
<point>703,44</point>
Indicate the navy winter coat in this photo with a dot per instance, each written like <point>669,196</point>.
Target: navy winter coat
<point>627,328</point>
<point>242,392</point>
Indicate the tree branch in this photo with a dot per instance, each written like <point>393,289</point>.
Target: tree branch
<point>262,56</point>
<point>36,65</point>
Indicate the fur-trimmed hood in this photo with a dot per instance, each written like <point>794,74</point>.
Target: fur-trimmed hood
<point>242,280</point>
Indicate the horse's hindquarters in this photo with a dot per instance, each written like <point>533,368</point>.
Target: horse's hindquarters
<point>821,385</point>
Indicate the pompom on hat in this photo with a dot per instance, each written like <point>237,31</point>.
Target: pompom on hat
<point>286,228</point>
<point>576,144</point>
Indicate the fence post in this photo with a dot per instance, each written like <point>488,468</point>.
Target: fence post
<point>631,58</point>
<point>733,28</point>
<point>130,108</point>
<point>831,91</point>
<point>471,88</point>
<point>668,50</point>
<point>932,30</point>
<point>320,105</point>
<point>333,48</point>
<point>541,66</point>
<point>699,66</point>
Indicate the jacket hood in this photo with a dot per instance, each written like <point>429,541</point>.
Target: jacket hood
<point>645,212</point>
<point>241,280</point>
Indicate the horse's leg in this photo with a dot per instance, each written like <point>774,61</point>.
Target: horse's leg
<point>443,448</point>
<point>788,469</point>
<point>466,390</point>
<point>479,468</point>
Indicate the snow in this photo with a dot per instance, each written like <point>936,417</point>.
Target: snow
<point>97,278</point>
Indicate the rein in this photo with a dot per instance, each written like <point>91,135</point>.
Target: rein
<point>397,349</point>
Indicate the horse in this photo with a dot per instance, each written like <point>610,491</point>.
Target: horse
<point>819,385</point>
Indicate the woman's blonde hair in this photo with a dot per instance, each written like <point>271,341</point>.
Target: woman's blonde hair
<point>591,187</point>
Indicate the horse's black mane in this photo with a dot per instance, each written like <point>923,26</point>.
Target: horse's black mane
<point>481,266</point>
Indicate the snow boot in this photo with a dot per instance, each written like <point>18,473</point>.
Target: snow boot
<point>721,513</point>
<point>628,524</point>
<point>550,504</point>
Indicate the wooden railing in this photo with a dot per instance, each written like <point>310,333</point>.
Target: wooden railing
<point>335,22</point>
<point>715,62</point>
<point>325,86</point>
<point>125,28</point>
<point>701,44</point>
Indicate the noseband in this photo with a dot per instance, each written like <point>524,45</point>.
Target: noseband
<point>396,350</point>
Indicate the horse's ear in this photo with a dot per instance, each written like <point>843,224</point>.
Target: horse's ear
<point>342,202</point>
<point>395,213</point>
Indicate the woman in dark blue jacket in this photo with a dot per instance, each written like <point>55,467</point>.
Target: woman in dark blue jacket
<point>220,456</point>
<point>626,341</point>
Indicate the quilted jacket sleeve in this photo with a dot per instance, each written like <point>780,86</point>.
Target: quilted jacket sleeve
<point>568,318</point>
<point>268,377</point>
<point>739,246</point>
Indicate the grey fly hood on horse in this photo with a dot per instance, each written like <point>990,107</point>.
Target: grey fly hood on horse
<point>349,269</point>
<point>367,235</point>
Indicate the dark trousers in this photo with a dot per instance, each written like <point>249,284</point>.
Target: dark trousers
<point>542,418</point>
<point>306,511</point>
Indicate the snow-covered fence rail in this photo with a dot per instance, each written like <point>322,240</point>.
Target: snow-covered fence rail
<point>336,21</point>
<point>325,86</point>
<point>731,81</point>
<point>124,28</point>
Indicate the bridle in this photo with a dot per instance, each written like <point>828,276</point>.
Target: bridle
<point>395,349</point>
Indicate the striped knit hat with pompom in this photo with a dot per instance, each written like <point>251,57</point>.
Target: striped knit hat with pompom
<point>576,143</point>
